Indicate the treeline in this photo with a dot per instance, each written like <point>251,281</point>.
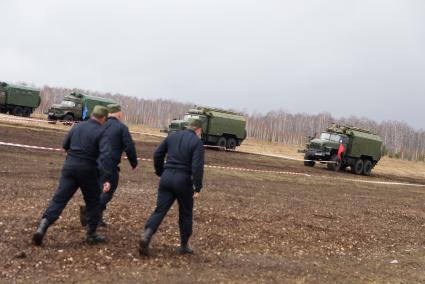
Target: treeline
<point>400,140</point>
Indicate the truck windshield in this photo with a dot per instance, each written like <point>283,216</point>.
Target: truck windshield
<point>325,136</point>
<point>68,103</point>
<point>333,137</point>
<point>194,116</point>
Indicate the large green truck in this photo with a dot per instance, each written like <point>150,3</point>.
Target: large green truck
<point>18,100</point>
<point>76,107</point>
<point>222,128</point>
<point>359,149</point>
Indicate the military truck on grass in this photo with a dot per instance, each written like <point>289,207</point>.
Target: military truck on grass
<point>76,107</point>
<point>18,100</point>
<point>221,128</point>
<point>360,149</point>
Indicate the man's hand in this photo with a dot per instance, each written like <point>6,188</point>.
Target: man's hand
<point>106,187</point>
<point>134,168</point>
<point>196,194</point>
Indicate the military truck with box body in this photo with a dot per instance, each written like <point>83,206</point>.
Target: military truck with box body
<point>76,107</point>
<point>222,128</point>
<point>18,100</point>
<point>361,149</point>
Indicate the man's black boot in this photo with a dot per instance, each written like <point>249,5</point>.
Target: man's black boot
<point>92,237</point>
<point>83,216</point>
<point>144,242</point>
<point>37,238</point>
<point>185,249</point>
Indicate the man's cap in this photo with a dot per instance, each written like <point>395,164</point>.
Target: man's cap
<point>113,108</point>
<point>100,111</point>
<point>195,123</point>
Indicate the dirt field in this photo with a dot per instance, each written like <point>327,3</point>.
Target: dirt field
<point>249,227</point>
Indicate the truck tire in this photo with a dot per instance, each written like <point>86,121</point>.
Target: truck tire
<point>309,163</point>
<point>26,112</point>
<point>336,163</point>
<point>357,168</point>
<point>231,143</point>
<point>367,168</point>
<point>17,111</point>
<point>68,117</point>
<point>222,142</point>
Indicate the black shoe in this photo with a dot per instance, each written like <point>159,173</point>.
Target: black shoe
<point>37,238</point>
<point>185,249</point>
<point>83,216</point>
<point>92,237</point>
<point>144,242</point>
<point>95,239</point>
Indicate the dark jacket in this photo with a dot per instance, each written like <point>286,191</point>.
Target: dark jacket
<point>87,142</point>
<point>121,141</point>
<point>185,152</point>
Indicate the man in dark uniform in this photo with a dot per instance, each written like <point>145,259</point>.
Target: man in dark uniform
<point>88,154</point>
<point>181,179</point>
<point>120,141</point>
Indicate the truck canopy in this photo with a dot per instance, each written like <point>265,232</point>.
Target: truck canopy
<point>21,95</point>
<point>223,122</point>
<point>362,142</point>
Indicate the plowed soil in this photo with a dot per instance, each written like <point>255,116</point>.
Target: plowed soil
<point>248,227</point>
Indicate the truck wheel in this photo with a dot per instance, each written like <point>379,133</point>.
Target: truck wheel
<point>336,163</point>
<point>222,142</point>
<point>231,143</point>
<point>358,167</point>
<point>17,111</point>
<point>26,112</point>
<point>310,162</point>
<point>367,168</point>
<point>68,119</point>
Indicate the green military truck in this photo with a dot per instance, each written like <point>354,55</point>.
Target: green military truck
<point>221,128</point>
<point>76,107</point>
<point>361,149</point>
<point>18,100</point>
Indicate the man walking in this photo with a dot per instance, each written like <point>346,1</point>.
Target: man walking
<point>120,141</point>
<point>88,153</point>
<point>181,179</point>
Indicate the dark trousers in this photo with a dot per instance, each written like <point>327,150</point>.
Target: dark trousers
<point>105,197</point>
<point>76,174</point>
<point>174,185</point>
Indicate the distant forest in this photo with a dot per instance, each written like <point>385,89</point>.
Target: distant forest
<point>400,140</point>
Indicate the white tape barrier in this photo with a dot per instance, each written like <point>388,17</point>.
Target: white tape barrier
<point>34,120</point>
<point>150,160</point>
<point>31,147</point>
<point>148,134</point>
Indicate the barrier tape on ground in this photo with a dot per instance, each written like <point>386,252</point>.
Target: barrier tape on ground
<point>150,160</point>
<point>31,147</point>
<point>231,168</point>
<point>35,120</point>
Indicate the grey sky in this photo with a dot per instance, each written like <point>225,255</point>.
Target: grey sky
<point>358,57</point>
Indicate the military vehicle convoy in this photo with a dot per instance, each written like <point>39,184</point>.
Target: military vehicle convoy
<point>76,107</point>
<point>220,127</point>
<point>361,149</point>
<point>18,100</point>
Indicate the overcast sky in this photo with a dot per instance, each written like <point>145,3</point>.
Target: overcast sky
<point>358,57</point>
